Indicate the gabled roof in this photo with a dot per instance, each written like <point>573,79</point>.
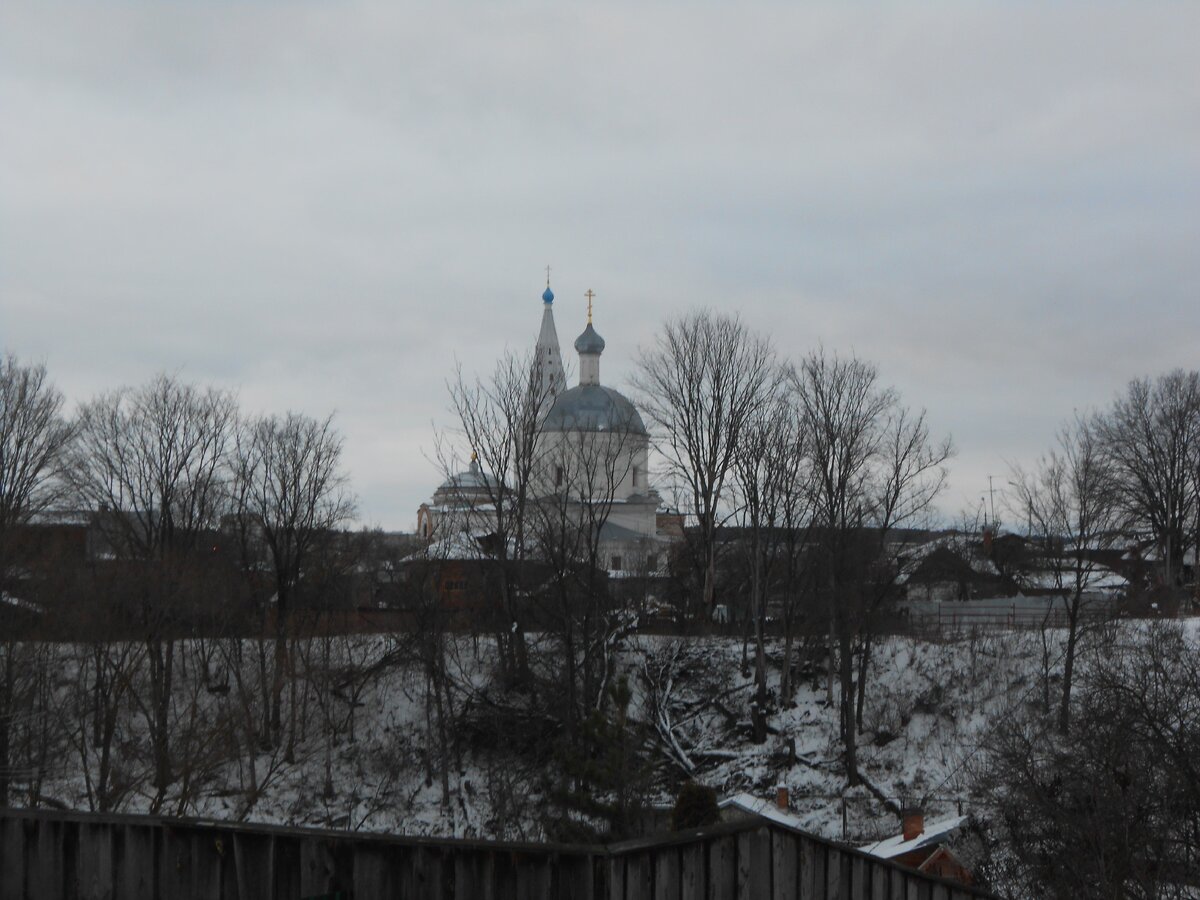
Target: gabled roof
<point>934,833</point>
<point>760,807</point>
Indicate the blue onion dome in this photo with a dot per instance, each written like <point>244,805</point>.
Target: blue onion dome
<point>548,295</point>
<point>589,341</point>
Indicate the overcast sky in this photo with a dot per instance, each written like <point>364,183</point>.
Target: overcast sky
<point>324,205</point>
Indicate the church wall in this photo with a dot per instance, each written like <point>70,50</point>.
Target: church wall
<point>576,459</point>
<point>636,517</point>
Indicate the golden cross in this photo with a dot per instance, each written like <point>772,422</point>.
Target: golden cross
<point>589,295</point>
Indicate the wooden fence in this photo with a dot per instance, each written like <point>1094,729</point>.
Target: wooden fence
<point>951,619</point>
<point>762,860</point>
<point>79,856</point>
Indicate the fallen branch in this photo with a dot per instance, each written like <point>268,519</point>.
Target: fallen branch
<point>879,795</point>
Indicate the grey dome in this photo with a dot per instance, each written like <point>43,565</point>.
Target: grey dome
<point>593,407</point>
<point>589,341</point>
<point>473,478</point>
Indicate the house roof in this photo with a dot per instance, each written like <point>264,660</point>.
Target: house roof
<point>453,545</point>
<point>611,531</point>
<point>760,807</point>
<point>934,833</point>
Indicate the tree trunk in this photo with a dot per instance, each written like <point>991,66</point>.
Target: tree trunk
<point>162,657</point>
<point>1064,712</point>
<point>443,738</point>
<point>710,574</point>
<point>280,668</point>
<point>6,694</point>
<point>864,665</point>
<point>760,652</point>
<point>832,647</point>
<point>849,733</point>
<point>293,704</point>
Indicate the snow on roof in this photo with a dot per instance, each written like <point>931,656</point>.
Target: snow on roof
<point>1096,577</point>
<point>27,605</point>
<point>456,545</point>
<point>1152,552</point>
<point>934,833</point>
<point>759,807</point>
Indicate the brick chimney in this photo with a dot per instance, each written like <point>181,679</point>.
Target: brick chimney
<point>914,822</point>
<point>781,796</point>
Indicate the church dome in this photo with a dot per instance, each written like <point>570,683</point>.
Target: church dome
<point>548,295</point>
<point>593,407</point>
<point>589,341</point>
<point>472,479</point>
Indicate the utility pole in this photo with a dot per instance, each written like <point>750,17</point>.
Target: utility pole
<point>992,497</point>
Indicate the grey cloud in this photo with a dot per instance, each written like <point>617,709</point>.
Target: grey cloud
<point>324,205</point>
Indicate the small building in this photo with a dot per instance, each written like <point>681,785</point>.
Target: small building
<point>940,573</point>
<point>923,847</point>
<point>740,807</point>
<point>464,502</point>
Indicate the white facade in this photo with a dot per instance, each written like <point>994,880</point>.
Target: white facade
<point>593,462</point>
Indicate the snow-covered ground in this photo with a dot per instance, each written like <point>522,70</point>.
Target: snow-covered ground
<point>928,707</point>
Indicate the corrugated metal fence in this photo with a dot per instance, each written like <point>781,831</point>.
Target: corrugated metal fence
<point>73,856</point>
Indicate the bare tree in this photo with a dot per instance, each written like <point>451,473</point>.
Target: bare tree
<point>35,731</point>
<point>500,419</point>
<point>582,472</point>
<point>155,458</point>
<point>1071,503</point>
<point>1113,809</point>
<point>768,470</point>
<point>701,383</point>
<point>290,492</point>
<point>1152,434</point>
<point>152,462</point>
<point>875,468</point>
<point>100,720</point>
<point>32,437</point>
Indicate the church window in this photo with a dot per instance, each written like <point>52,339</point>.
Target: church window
<point>616,564</point>
<point>637,476</point>
<point>652,562</point>
<point>558,476</point>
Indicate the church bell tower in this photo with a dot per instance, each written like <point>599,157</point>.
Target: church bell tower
<point>548,364</point>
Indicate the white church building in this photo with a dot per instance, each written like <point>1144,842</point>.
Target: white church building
<point>593,462</point>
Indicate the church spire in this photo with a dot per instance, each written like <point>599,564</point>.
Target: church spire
<point>548,364</point>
